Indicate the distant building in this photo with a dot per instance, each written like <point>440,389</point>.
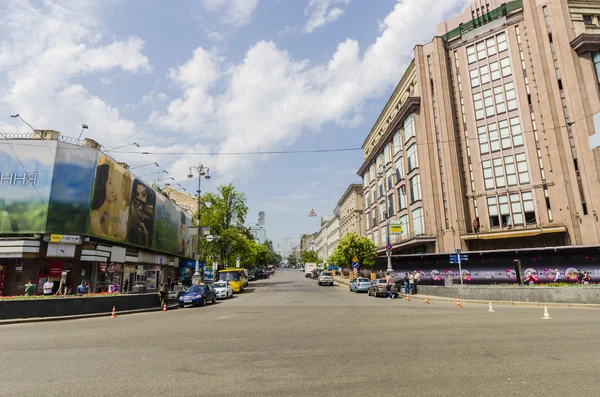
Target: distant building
<point>258,230</point>
<point>351,207</point>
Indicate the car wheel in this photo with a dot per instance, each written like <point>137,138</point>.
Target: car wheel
<point>350,289</point>
<point>214,299</point>
<point>202,302</point>
<point>181,306</point>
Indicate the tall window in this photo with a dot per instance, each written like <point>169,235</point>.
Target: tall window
<point>474,77</point>
<point>499,97</point>
<point>587,20</point>
<point>484,145</point>
<point>380,184</point>
<point>401,198</point>
<point>488,174</point>
<point>513,209</point>
<point>515,130</point>
<point>380,161</point>
<point>501,40</point>
<point>478,103</point>
<point>374,215</point>
<point>368,215</point>
<point>495,71</point>
<point>400,169</point>
<point>494,139</point>
<point>405,227</point>
<point>505,64</point>
<point>397,142</point>
<point>481,52</point>
<point>489,103</point>
<point>367,200</point>
<point>491,46</point>
<point>382,211</point>
<point>511,98</point>
<point>471,54</point>
<point>372,172</point>
<point>387,153</point>
<point>499,172</point>
<point>391,205</point>
<point>373,195</point>
<point>389,178</point>
<point>418,221</point>
<point>522,168</point>
<point>409,127</point>
<point>413,157</point>
<point>596,57</point>
<point>485,74</point>
<point>376,238</point>
<point>415,188</point>
<point>366,179</point>
<point>511,171</point>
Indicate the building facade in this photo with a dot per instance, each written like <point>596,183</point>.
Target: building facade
<point>352,207</point>
<point>483,145</point>
<point>71,213</point>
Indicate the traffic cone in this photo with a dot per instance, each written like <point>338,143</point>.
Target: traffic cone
<point>407,298</point>
<point>491,309</point>
<point>114,313</point>
<point>546,314</point>
<point>458,303</point>
<point>165,308</point>
<point>426,299</point>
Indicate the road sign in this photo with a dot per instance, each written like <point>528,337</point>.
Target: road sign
<point>312,213</point>
<point>355,259</point>
<point>388,246</point>
<point>355,272</point>
<point>355,265</point>
<point>458,250</point>
<point>395,227</point>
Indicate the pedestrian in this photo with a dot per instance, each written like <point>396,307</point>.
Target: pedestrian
<point>417,281</point>
<point>30,288</point>
<point>388,285</point>
<point>81,289</point>
<point>411,282</point>
<point>579,277</point>
<point>530,280</point>
<point>162,293</point>
<point>48,286</point>
<point>405,283</point>
<point>558,277</point>
<point>586,278</point>
<point>126,285</point>
<point>476,225</point>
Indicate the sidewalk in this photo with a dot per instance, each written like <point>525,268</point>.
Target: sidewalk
<point>171,306</point>
<point>342,281</point>
<point>503,303</point>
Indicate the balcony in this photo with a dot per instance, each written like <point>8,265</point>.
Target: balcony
<point>510,231</point>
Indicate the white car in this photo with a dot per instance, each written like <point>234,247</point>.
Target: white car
<point>223,290</point>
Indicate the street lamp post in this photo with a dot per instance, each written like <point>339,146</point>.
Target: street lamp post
<point>381,174</point>
<point>203,171</point>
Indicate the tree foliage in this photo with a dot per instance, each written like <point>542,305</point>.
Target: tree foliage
<point>310,256</point>
<point>354,246</point>
<point>292,260</point>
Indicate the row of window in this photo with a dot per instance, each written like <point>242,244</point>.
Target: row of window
<point>415,194</point>
<point>505,171</point>
<point>495,101</point>
<point>486,48</point>
<point>413,163</point>
<point>418,223</point>
<point>512,209</point>
<point>491,72</point>
<point>589,19</point>
<point>504,134</point>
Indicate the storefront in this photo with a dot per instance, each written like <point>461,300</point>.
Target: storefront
<point>109,277</point>
<point>152,277</point>
<point>19,262</point>
<point>128,277</point>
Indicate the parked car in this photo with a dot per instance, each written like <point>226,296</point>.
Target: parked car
<point>378,288</point>
<point>315,274</point>
<point>197,295</point>
<point>360,284</point>
<point>223,290</point>
<point>326,278</point>
<point>251,275</point>
<point>259,274</point>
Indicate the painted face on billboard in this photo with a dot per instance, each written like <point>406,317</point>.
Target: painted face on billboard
<point>141,215</point>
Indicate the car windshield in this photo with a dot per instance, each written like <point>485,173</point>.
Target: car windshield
<point>362,280</point>
<point>220,285</point>
<point>325,274</point>
<point>381,281</point>
<point>195,288</point>
<point>229,276</point>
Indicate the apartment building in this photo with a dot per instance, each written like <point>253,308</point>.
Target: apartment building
<point>483,146</point>
<point>351,207</point>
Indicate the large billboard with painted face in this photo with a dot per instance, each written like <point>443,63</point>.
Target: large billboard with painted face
<point>124,208</point>
<point>49,186</point>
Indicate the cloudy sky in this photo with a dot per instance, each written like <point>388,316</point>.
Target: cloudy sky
<point>187,78</point>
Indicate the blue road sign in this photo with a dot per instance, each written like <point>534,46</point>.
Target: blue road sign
<point>453,257</point>
<point>355,265</point>
<point>388,246</point>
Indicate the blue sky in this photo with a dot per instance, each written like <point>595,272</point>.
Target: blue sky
<point>218,76</point>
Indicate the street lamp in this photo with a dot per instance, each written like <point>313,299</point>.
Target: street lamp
<point>202,171</point>
<point>18,116</point>
<point>83,127</point>
<point>381,174</point>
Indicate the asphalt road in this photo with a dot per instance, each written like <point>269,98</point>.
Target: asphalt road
<point>288,337</point>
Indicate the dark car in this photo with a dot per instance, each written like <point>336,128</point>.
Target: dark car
<point>198,295</point>
<point>260,274</point>
<point>315,274</point>
<point>251,275</point>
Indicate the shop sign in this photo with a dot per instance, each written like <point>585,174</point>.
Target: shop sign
<point>55,269</point>
<point>129,269</point>
<point>114,268</point>
<point>102,267</point>
<point>65,239</point>
<point>19,268</point>
<point>141,269</point>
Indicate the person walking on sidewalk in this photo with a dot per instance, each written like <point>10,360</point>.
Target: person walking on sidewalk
<point>162,293</point>
<point>417,281</point>
<point>388,285</point>
<point>405,283</point>
<point>411,282</point>
<point>558,277</point>
<point>30,288</point>
<point>530,279</point>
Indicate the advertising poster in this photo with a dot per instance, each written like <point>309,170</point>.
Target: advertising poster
<point>166,224</point>
<point>74,170</point>
<point>25,180</point>
<point>111,198</point>
<point>141,214</point>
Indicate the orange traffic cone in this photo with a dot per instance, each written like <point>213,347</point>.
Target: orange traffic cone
<point>407,298</point>
<point>458,303</point>
<point>426,299</point>
<point>546,314</point>
<point>114,313</point>
<point>165,308</point>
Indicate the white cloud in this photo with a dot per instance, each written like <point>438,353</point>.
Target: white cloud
<point>232,12</point>
<point>267,100</point>
<point>43,49</point>
<point>322,12</point>
<point>105,80</point>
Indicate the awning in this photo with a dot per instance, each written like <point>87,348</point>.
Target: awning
<point>514,233</point>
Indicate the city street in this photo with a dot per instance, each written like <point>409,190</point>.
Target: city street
<point>286,336</point>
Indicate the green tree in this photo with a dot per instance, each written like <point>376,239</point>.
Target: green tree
<point>354,246</point>
<point>292,260</point>
<point>310,256</point>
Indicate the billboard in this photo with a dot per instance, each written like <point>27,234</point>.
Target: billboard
<point>26,169</point>
<point>123,208</point>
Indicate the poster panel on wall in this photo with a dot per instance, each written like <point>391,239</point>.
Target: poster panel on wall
<point>25,180</point>
<point>69,207</point>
